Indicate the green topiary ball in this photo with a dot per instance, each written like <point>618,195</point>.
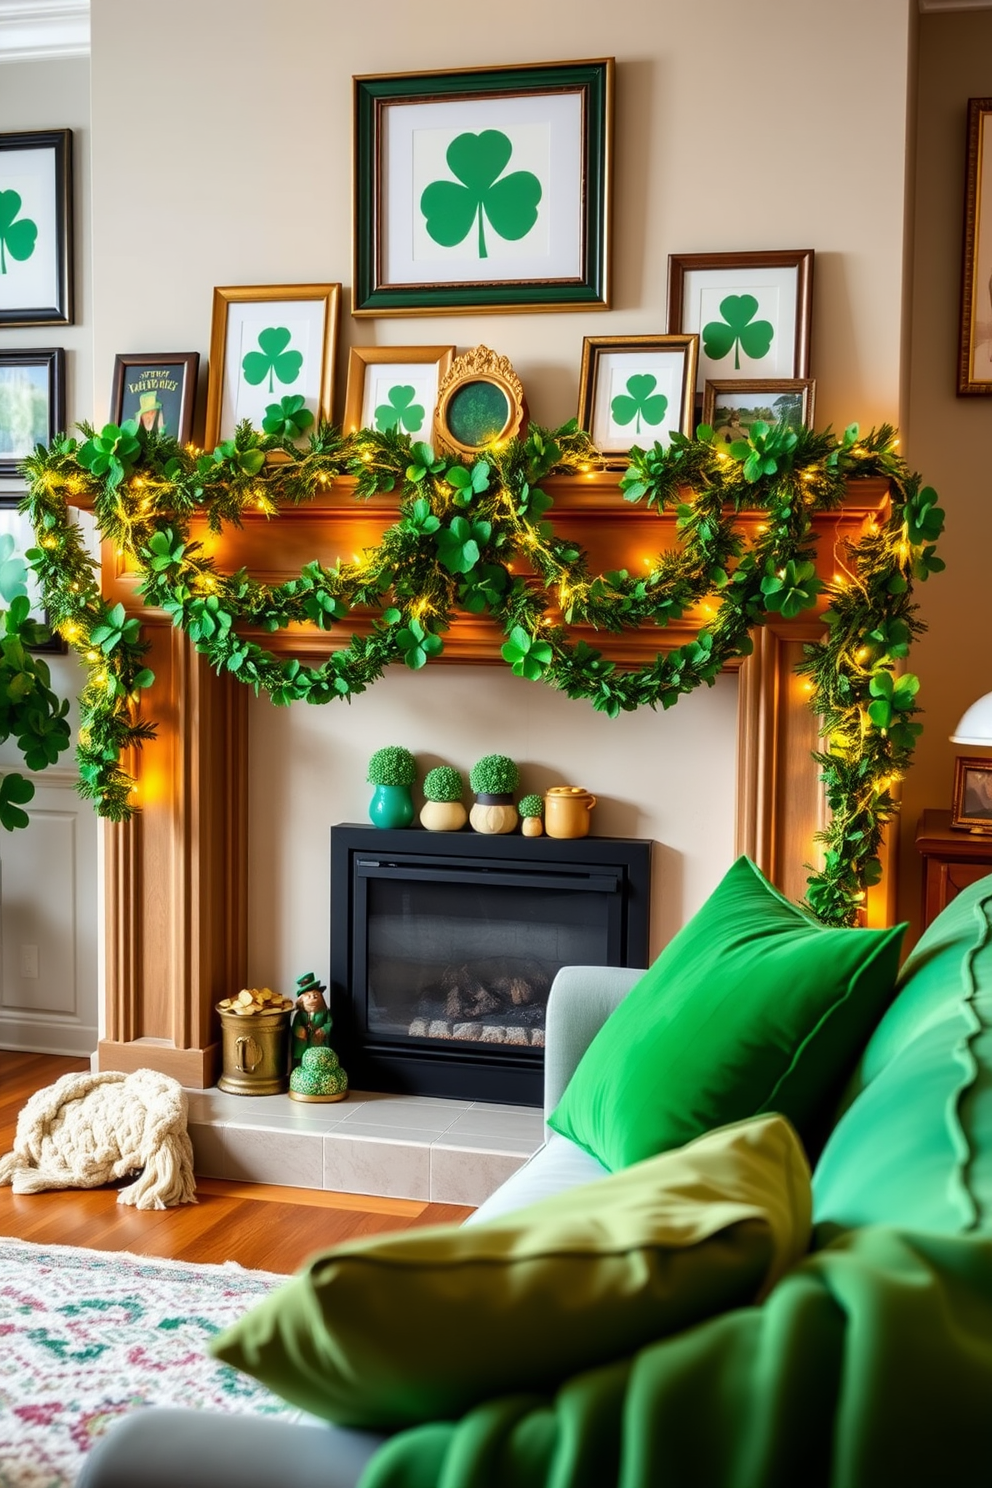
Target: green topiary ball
<point>392,765</point>
<point>531,806</point>
<point>494,775</point>
<point>443,783</point>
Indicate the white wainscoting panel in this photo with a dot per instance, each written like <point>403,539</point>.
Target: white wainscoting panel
<point>48,923</point>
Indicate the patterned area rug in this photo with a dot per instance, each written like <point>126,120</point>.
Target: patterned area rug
<point>86,1335</point>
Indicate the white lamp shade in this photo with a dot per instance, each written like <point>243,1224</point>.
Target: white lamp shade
<point>976,725</point>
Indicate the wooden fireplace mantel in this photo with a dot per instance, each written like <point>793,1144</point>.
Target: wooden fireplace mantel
<point>176,875</point>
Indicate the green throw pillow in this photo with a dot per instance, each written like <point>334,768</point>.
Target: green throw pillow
<point>752,1007</point>
<point>399,1329</point>
<point>914,1145</point>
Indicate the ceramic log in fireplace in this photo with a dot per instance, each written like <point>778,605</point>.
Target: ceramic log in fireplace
<point>444,946</point>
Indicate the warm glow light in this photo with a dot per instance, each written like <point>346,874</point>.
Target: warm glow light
<point>92,656</point>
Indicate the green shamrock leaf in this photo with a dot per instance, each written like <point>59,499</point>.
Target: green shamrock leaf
<point>273,360</point>
<point>639,401</point>
<point>15,792</point>
<point>13,570</point>
<point>510,203</point>
<point>17,238</point>
<point>738,330</point>
<point>112,453</point>
<point>528,656</point>
<point>792,589</point>
<point>115,628</point>
<point>289,417</point>
<point>400,411</point>
<point>418,644</point>
<point>893,696</point>
<point>459,544</point>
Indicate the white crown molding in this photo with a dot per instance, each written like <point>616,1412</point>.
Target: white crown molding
<point>35,29</point>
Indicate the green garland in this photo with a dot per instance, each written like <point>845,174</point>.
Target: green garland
<point>461,532</point>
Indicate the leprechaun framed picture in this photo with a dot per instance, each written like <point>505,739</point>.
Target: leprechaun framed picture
<point>483,189</point>
<point>157,390</point>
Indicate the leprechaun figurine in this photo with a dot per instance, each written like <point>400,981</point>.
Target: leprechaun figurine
<point>311,1023</point>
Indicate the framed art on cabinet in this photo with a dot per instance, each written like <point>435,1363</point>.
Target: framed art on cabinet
<point>267,343</point>
<point>975,361</point>
<point>394,387</point>
<point>483,189</point>
<point>731,407</point>
<point>157,390</point>
<point>32,403</point>
<point>971,804</point>
<point>36,228</point>
<point>636,390</point>
<point>751,312</point>
<point>16,538</point>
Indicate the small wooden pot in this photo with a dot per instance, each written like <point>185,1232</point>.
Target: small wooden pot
<point>532,826</point>
<point>494,815</point>
<point>443,816</point>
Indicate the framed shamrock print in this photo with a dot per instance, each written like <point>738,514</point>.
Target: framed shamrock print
<point>157,390</point>
<point>394,387</point>
<point>751,312</point>
<point>32,403</point>
<point>636,390</point>
<point>36,228</point>
<point>483,189</point>
<point>272,353</point>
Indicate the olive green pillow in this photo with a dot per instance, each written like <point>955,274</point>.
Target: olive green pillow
<point>399,1329</point>
<point>754,1006</point>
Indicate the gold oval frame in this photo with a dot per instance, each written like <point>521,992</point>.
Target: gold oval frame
<point>479,365</point>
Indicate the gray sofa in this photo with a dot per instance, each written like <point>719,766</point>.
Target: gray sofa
<point>194,1449</point>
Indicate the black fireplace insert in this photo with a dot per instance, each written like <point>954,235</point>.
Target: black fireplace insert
<point>444,946</point>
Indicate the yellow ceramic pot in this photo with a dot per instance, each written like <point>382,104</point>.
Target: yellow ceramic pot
<point>566,811</point>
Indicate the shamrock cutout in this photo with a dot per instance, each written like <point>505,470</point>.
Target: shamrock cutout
<point>639,401</point>
<point>273,359</point>
<point>17,238</point>
<point>510,203</point>
<point>400,411</point>
<point>738,330</point>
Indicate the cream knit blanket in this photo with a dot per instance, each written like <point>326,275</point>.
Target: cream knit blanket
<point>91,1129</point>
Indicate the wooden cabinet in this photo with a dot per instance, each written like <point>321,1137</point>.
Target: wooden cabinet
<point>952,859</point>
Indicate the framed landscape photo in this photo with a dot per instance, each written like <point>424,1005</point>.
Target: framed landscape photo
<point>971,805</point>
<point>636,390</point>
<point>751,312</point>
<point>975,362</point>
<point>157,390</point>
<point>36,228</point>
<point>16,537</point>
<point>483,189</point>
<point>394,387</point>
<point>731,407</point>
<point>32,403</point>
<point>267,343</point>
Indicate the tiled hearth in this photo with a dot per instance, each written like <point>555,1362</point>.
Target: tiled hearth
<point>393,1146</point>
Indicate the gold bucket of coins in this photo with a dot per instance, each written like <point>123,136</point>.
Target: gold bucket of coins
<point>255,1042</point>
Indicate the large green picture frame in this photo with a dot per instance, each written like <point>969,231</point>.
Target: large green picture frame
<point>483,189</point>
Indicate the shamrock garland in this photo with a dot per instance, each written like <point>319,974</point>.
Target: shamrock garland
<point>460,532</point>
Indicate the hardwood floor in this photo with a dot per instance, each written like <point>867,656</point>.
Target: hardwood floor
<point>258,1225</point>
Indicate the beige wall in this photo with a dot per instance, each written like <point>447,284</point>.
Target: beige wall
<point>222,155</point>
<point>948,437</point>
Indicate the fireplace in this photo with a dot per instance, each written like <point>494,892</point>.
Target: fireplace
<point>444,947</point>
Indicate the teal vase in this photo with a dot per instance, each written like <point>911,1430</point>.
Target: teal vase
<point>391,806</point>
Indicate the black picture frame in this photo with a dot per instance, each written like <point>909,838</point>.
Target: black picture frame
<point>16,522</point>
<point>406,125</point>
<point>36,271</point>
<point>157,385</point>
<point>32,403</point>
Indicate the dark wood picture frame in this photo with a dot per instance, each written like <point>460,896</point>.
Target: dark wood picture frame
<point>734,392</point>
<point>971,803</point>
<point>38,289</point>
<point>10,502</point>
<point>167,379</point>
<point>690,274</point>
<point>568,104</point>
<point>975,355</point>
<point>17,403</point>
<point>647,356</point>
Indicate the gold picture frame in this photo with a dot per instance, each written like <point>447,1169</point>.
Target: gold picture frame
<point>975,359</point>
<point>636,390</point>
<point>480,403</point>
<point>376,372</point>
<point>300,325</point>
<point>971,803</point>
